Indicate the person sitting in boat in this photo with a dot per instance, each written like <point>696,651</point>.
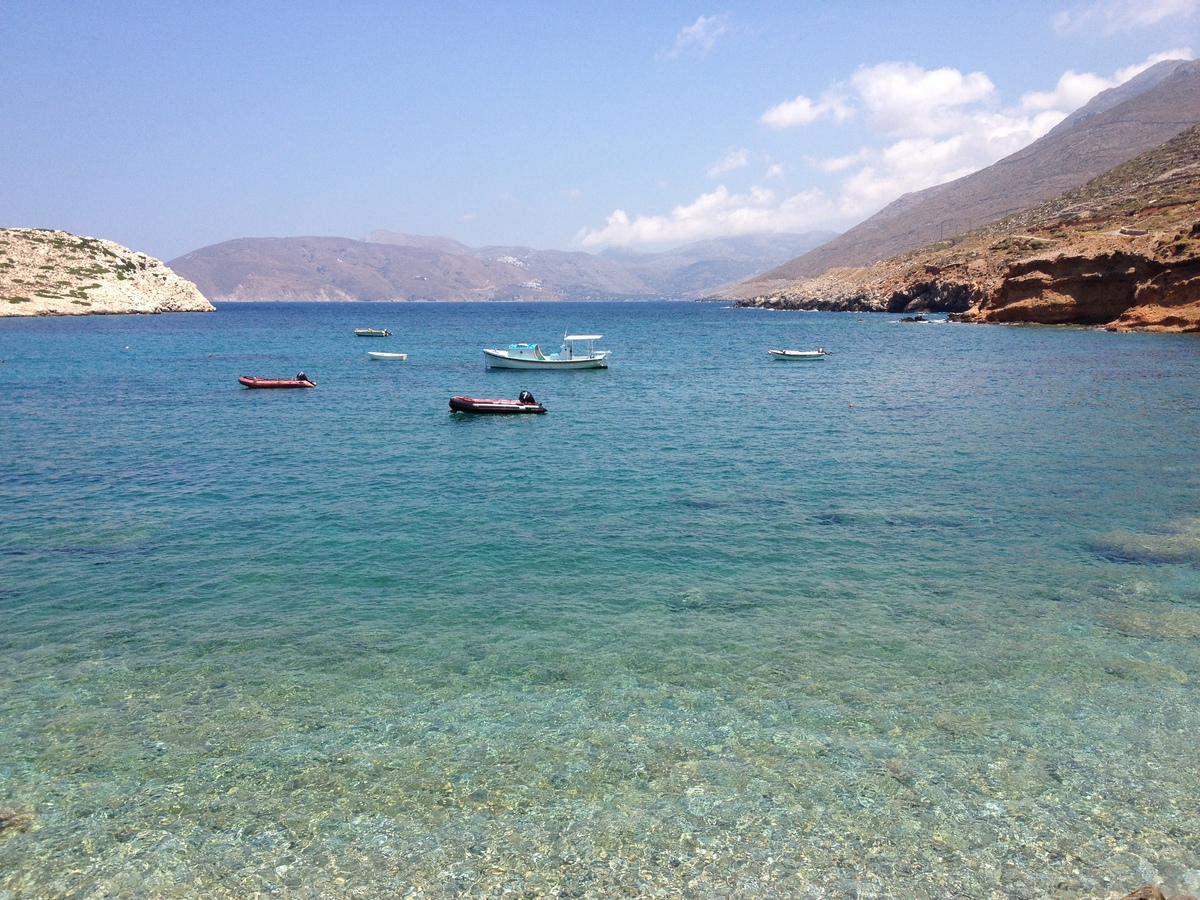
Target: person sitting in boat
<point>527,397</point>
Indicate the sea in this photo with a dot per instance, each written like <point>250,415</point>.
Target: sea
<point>918,620</point>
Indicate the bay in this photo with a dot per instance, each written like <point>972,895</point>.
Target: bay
<point>918,619</point>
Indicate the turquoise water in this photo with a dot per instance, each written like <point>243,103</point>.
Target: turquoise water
<point>920,620</point>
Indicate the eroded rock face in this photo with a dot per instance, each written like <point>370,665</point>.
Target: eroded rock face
<point>54,273</point>
<point>1117,289</point>
<point>1116,281</point>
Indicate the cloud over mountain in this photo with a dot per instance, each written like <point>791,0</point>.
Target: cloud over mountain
<point>924,127</point>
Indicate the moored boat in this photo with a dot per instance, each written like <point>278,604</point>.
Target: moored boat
<point>300,381</point>
<point>372,332</point>
<point>811,355</point>
<point>379,354</point>
<point>578,351</point>
<point>523,404</point>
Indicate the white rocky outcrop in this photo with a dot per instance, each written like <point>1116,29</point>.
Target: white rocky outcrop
<point>54,273</point>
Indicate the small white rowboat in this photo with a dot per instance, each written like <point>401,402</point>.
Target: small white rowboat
<point>810,355</point>
<point>379,354</point>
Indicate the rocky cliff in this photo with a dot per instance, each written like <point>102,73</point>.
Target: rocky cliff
<point>1122,251</point>
<point>53,273</point>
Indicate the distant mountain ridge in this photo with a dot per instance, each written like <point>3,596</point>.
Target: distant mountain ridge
<point>1113,127</point>
<point>389,266</point>
<point>700,267</point>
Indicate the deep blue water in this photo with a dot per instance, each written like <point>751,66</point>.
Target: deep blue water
<point>919,619</point>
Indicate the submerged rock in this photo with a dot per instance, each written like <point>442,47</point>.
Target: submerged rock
<point>1149,892</point>
<point>12,820</point>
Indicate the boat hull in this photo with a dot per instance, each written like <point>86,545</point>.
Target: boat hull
<point>372,332</point>
<point>798,355</point>
<point>251,382</point>
<point>379,354</point>
<point>493,406</point>
<point>498,359</point>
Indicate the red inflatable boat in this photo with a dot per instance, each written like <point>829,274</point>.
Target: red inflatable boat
<point>524,404</point>
<point>300,381</point>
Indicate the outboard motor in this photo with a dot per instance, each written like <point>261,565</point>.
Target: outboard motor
<point>526,397</point>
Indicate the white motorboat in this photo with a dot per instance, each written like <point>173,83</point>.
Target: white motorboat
<point>379,354</point>
<point>578,351</point>
<point>811,355</point>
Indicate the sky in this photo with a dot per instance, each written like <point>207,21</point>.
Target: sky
<point>168,126</point>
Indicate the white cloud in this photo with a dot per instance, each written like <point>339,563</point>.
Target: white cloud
<point>1072,91</point>
<point>710,215</point>
<point>1113,16</point>
<point>1128,72</point>
<point>929,127</point>
<point>935,126</point>
<point>802,111</point>
<point>840,163</point>
<point>702,33</point>
<point>735,159</point>
<point>1075,88</point>
<point>903,99</point>
<point>915,163</point>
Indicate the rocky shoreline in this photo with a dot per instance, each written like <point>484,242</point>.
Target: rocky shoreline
<point>1121,252</point>
<point>55,273</point>
<point>1115,281</point>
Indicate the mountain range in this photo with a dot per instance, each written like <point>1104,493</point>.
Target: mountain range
<point>388,265</point>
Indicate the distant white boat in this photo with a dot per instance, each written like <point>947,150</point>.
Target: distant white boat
<point>811,355</point>
<point>372,332</point>
<point>578,352</point>
<point>379,354</point>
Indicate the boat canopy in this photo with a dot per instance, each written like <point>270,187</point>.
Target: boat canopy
<point>583,337</point>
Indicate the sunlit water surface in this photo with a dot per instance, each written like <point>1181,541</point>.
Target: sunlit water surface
<point>919,620</point>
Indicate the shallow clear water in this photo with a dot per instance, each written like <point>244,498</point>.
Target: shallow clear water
<point>920,620</point>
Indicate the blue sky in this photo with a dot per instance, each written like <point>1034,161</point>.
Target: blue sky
<point>168,126</point>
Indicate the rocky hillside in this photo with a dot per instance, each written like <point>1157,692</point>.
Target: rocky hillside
<point>1122,251</point>
<point>53,273</point>
<point>1113,127</point>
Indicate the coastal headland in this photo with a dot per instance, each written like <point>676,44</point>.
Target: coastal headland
<point>1121,252</point>
<point>54,273</point>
